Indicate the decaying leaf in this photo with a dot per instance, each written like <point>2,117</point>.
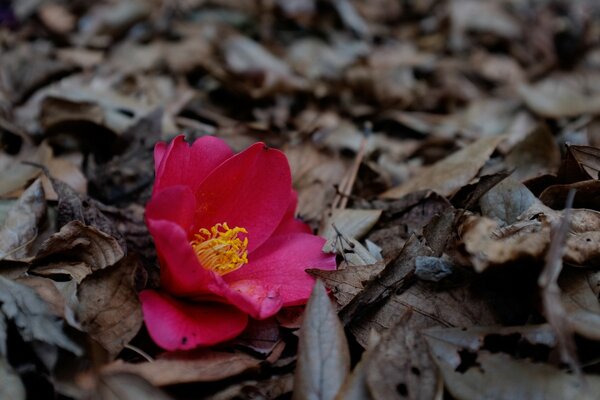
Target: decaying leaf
<point>450,174</point>
<point>563,95</point>
<point>481,362</point>
<point>79,242</point>
<point>535,155</point>
<point>323,356</point>
<point>126,386</point>
<point>399,366</point>
<point>20,226</point>
<point>109,309</point>
<point>15,174</point>
<point>33,320</point>
<point>199,366</point>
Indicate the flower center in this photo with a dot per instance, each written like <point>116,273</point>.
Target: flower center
<point>220,249</point>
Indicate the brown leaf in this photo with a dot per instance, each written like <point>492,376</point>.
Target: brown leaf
<point>587,195</point>
<point>33,320</point>
<point>125,386</point>
<point>323,355</point>
<point>450,174</point>
<point>15,174</point>
<point>399,367</point>
<point>472,370</point>
<point>80,242</point>
<point>507,201</point>
<point>579,291</point>
<point>272,388</point>
<point>20,226</point>
<point>563,95</point>
<point>396,276</point>
<point>109,309</point>
<point>197,366</point>
<point>535,155</point>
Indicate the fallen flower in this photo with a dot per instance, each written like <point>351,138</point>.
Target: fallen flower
<point>228,243</point>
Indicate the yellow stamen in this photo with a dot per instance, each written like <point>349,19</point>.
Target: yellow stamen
<point>220,249</point>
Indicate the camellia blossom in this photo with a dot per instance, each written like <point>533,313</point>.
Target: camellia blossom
<point>228,243</point>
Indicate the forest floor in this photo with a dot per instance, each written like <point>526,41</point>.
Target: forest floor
<point>448,150</point>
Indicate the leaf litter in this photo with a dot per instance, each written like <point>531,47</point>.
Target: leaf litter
<point>434,145</point>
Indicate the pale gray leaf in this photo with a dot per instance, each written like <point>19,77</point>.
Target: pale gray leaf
<point>323,355</point>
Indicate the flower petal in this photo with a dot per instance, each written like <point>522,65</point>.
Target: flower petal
<point>250,190</point>
<point>160,149</point>
<point>289,223</point>
<point>161,206</point>
<point>182,164</point>
<point>178,325</point>
<point>180,273</point>
<point>253,297</point>
<point>281,262</point>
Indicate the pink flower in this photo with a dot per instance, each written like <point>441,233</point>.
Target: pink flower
<point>227,241</point>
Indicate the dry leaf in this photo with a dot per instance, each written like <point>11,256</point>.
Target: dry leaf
<point>11,387</point>
<point>535,155</point>
<point>20,227</point>
<point>80,242</point>
<point>507,201</point>
<point>399,366</point>
<point>474,364</point>
<point>450,174</point>
<point>33,320</point>
<point>125,386</point>
<point>563,95</point>
<point>198,366</point>
<point>15,174</point>
<point>109,308</point>
<point>323,355</point>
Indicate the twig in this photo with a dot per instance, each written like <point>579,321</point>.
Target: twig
<point>548,282</point>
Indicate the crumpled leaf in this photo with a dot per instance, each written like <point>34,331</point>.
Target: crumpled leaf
<point>323,355</point>
<point>15,174</point>
<point>187,367</point>
<point>579,294</point>
<point>489,243</point>
<point>473,369</point>
<point>79,242</point>
<point>20,226</point>
<point>587,195</point>
<point>399,366</point>
<point>109,308</point>
<point>32,318</point>
<point>450,174</point>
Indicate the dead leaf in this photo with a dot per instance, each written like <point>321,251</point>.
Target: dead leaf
<point>535,155</point>
<point>472,366</point>
<point>198,366</point>
<point>272,388</point>
<point>450,174</point>
<point>20,227</point>
<point>109,308</point>
<point>16,174</point>
<point>32,319</point>
<point>587,195</point>
<point>399,366</point>
<point>323,355</point>
<point>507,201</point>
<point>351,223</point>
<point>11,387</point>
<point>395,277</point>
<point>563,95</point>
<point>125,386</point>
<point>80,242</point>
